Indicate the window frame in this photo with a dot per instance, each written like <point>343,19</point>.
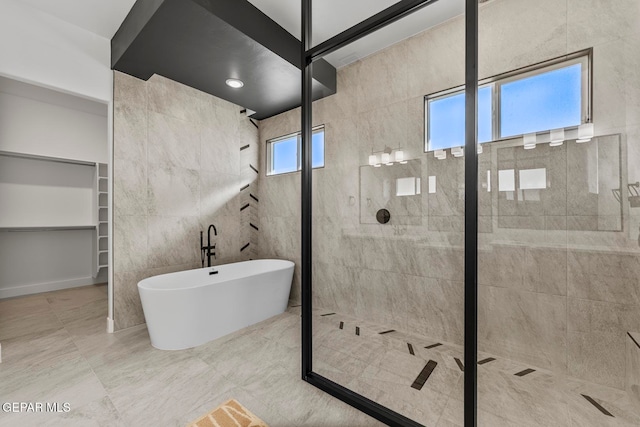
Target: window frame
<point>298,135</point>
<point>584,57</point>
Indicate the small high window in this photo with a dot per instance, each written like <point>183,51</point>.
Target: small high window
<point>284,154</point>
<point>547,96</point>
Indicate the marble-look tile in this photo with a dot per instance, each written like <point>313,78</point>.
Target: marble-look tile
<point>130,132</point>
<point>172,142</point>
<point>524,326</point>
<point>85,320</point>
<point>154,402</point>
<point>444,42</point>
<point>601,316</point>
<point>594,22</point>
<point>436,308</point>
<point>632,358</point>
<point>173,99</point>
<point>502,266</point>
<point>67,378</point>
<point>35,349</point>
<point>129,243</point>
<point>279,236</point>
<point>518,33</point>
<point>382,78</point>
<point>75,297</point>
<point>24,324</point>
<point>280,125</point>
<point>343,103</point>
<point>127,308</point>
<point>545,270</point>
<point>603,276</point>
<point>220,149</point>
<point>378,126</point>
<point>453,416</point>
<point>219,194</point>
<point>597,357</point>
<point>520,401</point>
<point>129,90</point>
<point>173,192</point>
<point>336,192</point>
<point>341,149</point>
<point>280,195</point>
<point>11,308</point>
<point>614,89</point>
<point>382,298</point>
<point>172,240</point>
<point>129,187</point>
<point>334,286</point>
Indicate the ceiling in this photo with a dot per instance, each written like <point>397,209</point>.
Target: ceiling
<point>330,17</point>
<point>265,56</point>
<point>102,17</point>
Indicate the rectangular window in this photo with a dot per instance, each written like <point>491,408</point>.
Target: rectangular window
<point>547,96</point>
<point>284,154</point>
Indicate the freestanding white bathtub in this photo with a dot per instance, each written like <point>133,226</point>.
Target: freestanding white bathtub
<point>189,308</point>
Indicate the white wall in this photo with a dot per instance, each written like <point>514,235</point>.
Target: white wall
<point>38,48</point>
<point>41,261</point>
<point>47,129</point>
<point>36,193</point>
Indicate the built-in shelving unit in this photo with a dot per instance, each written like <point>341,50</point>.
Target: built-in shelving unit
<point>53,203</point>
<point>102,202</point>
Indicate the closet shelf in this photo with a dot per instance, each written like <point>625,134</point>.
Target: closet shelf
<point>45,158</point>
<point>50,228</point>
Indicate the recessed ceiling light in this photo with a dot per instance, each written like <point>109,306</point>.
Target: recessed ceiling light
<point>235,83</point>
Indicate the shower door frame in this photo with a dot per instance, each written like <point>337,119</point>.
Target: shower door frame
<point>309,54</point>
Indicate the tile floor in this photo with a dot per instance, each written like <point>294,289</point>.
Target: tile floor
<point>55,349</point>
<point>386,367</point>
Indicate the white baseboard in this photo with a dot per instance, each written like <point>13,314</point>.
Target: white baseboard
<point>110,325</point>
<point>37,288</point>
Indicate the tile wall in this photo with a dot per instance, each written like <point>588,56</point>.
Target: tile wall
<point>183,159</point>
<point>557,296</point>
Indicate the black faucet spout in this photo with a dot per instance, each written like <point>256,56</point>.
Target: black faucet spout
<point>209,247</point>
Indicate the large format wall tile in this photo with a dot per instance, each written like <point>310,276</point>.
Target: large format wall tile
<point>173,142</point>
<point>129,187</point>
<point>544,297</point>
<point>176,170</point>
<point>172,240</point>
<point>173,192</point>
<point>517,33</point>
<point>597,357</point>
<point>130,243</point>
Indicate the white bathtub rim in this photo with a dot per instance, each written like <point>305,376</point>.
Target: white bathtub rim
<point>141,284</point>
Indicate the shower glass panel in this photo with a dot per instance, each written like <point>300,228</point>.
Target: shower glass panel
<point>558,246</point>
<point>388,219</point>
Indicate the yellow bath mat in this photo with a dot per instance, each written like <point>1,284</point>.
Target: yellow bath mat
<point>229,414</point>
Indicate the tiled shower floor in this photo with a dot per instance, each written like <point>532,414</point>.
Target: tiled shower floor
<point>55,349</point>
<point>422,378</point>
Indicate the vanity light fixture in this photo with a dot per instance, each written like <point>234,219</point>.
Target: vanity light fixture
<point>399,155</point>
<point>373,160</point>
<point>440,154</point>
<point>585,132</point>
<point>479,151</point>
<point>235,83</point>
<point>457,151</point>
<point>556,137</point>
<point>386,159</point>
<point>529,141</point>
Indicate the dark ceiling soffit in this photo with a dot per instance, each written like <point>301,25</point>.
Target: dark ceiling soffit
<point>240,14</point>
<point>139,15</point>
<point>250,20</point>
